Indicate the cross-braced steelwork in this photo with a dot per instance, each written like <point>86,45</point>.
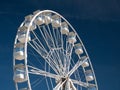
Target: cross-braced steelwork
<point>49,55</point>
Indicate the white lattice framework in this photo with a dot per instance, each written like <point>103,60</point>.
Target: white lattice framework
<point>49,55</point>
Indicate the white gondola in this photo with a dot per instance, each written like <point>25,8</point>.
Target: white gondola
<point>78,48</point>
<point>64,28</point>
<point>56,21</point>
<point>20,74</point>
<point>89,75</point>
<point>22,34</point>
<point>27,22</point>
<point>71,37</point>
<point>39,20</point>
<point>85,64</point>
<point>19,51</point>
<point>48,17</point>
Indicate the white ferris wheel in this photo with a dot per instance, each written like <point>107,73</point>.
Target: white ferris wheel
<point>49,55</point>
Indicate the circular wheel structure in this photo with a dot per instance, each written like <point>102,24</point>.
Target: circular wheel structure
<point>49,55</point>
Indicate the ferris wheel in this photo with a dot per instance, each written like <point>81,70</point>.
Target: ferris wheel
<point>49,55</point>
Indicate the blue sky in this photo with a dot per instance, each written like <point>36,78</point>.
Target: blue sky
<point>96,21</point>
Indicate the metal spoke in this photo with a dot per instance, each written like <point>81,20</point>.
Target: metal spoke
<point>37,48</point>
<point>48,39</point>
<point>76,66</point>
<point>50,62</point>
<point>37,71</point>
<point>83,84</point>
<point>40,43</point>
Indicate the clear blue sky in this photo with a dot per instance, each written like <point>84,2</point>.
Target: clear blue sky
<point>96,21</point>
